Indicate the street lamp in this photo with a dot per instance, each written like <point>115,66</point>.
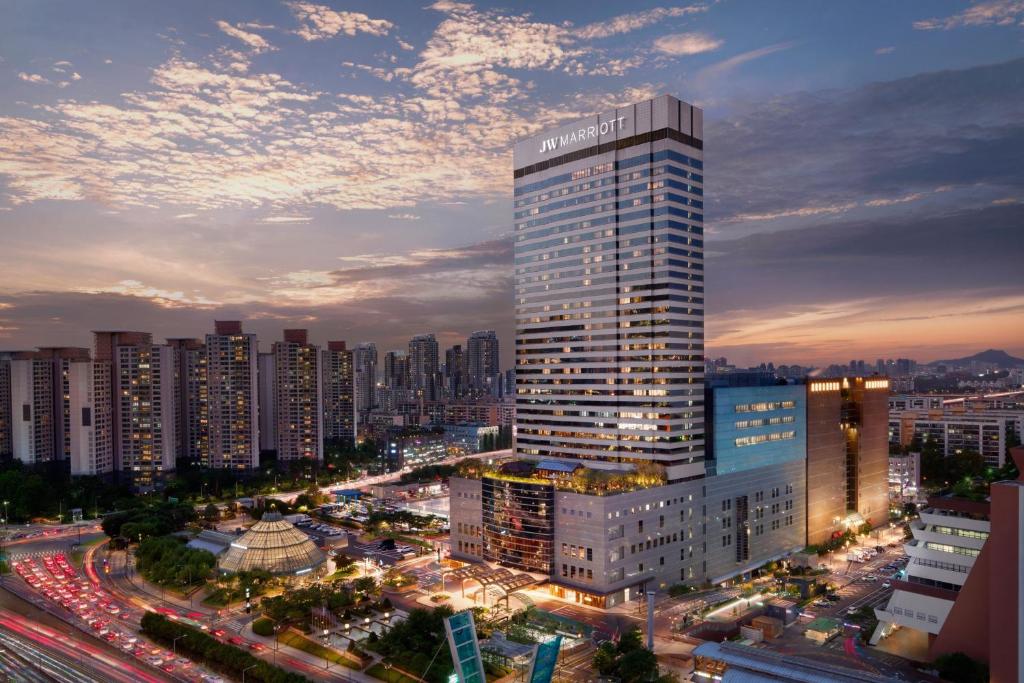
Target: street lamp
<point>327,651</point>
<point>246,669</point>
<point>174,644</point>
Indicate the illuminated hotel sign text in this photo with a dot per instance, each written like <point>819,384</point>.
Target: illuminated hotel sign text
<point>582,134</point>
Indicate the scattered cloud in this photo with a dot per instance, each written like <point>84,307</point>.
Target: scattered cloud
<point>286,219</point>
<point>162,297</point>
<point>34,78</point>
<point>780,159</point>
<point>992,12</point>
<point>404,216</point>
<point>626,23</point>
<point>187,215</point>
<point>253,40</point>
<point>723,67</point>
<point>888,50</point>
<point>801,212</point>
<point>889,201</point>
<point>320,22</point>
<point>687,43</point>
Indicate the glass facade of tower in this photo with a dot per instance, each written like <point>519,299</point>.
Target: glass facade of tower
<point>610,289</point>
<point>519,523</point>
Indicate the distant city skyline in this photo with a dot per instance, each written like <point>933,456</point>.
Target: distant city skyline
<point>346,168</point>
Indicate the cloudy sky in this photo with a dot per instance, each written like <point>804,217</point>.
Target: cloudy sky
<point>346,166</point>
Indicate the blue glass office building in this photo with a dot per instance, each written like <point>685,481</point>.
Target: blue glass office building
<point>756,426</point>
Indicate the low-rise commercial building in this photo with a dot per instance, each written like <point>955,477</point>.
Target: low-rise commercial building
<point>948,538</point>
<point>467,438</point>
<point>413,447</point>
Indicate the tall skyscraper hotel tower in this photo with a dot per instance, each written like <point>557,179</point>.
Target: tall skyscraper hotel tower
<point>604,496</point>
<point>610,290</point>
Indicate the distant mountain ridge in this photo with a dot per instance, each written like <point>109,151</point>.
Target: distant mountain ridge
<point>993,356</point>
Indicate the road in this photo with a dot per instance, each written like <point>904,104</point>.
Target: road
<point>60,646</point>
<point>289,496</point>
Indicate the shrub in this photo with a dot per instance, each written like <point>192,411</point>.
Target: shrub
<point>204,648</point>
<point>263,627</point>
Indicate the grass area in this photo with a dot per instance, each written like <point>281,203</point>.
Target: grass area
<point>342,574</point>
<point>79,553</point>
<point>412,540</point>
<point>301,642</point>
<point>378,670</point>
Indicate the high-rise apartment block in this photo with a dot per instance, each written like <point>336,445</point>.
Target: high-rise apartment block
<point>32,408</point>
<point>143,405</point>
<point>455,372</point>
<point>61,358</point>
<point>298,398</point>
<point>267,400</point>
<point>90,427</point>
<point>193,406</point>
<point>396,370</point>
<point>6,449</point>
<point>55,405</point>
<point>232,358</point>
<point>482,363</point>
<point>423,366</point>
<point>365,359</point>
<point>339,393</point>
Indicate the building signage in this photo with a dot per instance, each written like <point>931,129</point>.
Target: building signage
<point>461,632</point>
<point>583,134</point>
<point>545,658</point>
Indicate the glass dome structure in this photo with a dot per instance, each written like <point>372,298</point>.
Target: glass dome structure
<point>274,545</point>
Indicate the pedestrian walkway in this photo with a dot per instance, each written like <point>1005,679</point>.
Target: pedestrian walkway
<point>275,649</point>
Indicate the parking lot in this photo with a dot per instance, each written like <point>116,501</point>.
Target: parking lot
<point>860,584</point>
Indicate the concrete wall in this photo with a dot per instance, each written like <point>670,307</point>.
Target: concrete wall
<point>466,518</point>
<point>765,543</point>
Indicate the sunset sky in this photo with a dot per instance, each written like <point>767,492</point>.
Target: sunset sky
<point>347,166</point>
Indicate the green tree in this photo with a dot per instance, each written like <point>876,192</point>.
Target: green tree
<point>605,659</point>
<point>637,665</point>
<point>211,513</point>
<point>958,667</point>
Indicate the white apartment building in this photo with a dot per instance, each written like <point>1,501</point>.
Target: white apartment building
<point>91,423</point>
<point>32,417</point>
